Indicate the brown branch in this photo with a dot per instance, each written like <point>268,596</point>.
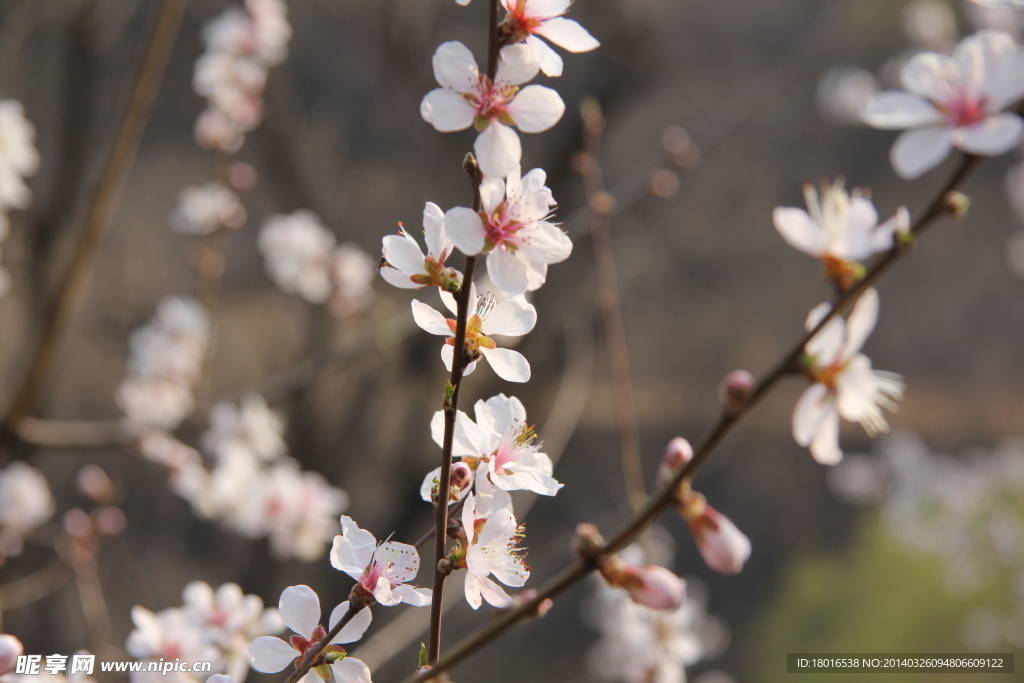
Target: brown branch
<point>600,205</point>
<point>100,213</point>
<point>665,497</point>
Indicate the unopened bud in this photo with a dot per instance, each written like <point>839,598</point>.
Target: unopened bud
<point>10,649</point>
<point>602,203</point>
<point>675,139</point>
<point>242,176</point>
<point>957,204</point>
<point>735,391</point>
<point>469,165</point>
<point>109,520</point>
<point>528,595</point>
<point>92,482</point>
<point>588,543</point>
<point>647,584</point>
<point>445,566</point>
<point>723,547</point>
<point>461,478</point>
<point>360,597</point>
<point>663,183</point>
<point>677,454</point>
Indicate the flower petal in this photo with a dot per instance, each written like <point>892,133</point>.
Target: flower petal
<point>856,389</point>
<point>270,655</point>
<point>512,317</point>
<point>498,150</point>
<point>446,110</point>
<point>550,61</point>
<point>434,232</point>
<point>897,110</point>
<point>494,594</point>
<point>799,230</point>
<point>355,628</point>
<point>350,670</point>
<point>410,595</point>
<point>536,108</point>
<point>860,323</point>
<point>300,609</point>
<point>465,229</point>
<point>517,64</point>
<point>919,150</point>
<point>928,74</point>
<point>811,411</point>
<point>455,67</point>
<point>402,252</point>
<point>397,278</point>
<point>353,549</point>
<point>429,319</point>
<point>825,447</point>
<point>507,364</point>
<point>994,136</point>
<point>568,34</point>
<point>508,271</point>
<point>492,193</point>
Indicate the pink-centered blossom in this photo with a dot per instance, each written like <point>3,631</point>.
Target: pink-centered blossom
<point>513,317</point>
<point>300,611</point>
<point>530,20</point>
<point>844,383</point>
<point>405,264</point>
<point>505,445</point>
<point>468,98</point>
<point>382,570</point>
<point>838,228</point>
<point>492,549</point>
<point>513,230</point>
<point>954,101</point>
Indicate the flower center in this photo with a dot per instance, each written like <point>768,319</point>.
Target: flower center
<point>501,230</point>
<point>491,99</point>
<point>962,112</point>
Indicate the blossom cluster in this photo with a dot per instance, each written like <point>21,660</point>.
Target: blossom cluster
<point>216,626</point>
<point>25,504</point>
<point>302,257</point>
<point>242,44</point>
<point>251,486</point>
<point>18,160</point>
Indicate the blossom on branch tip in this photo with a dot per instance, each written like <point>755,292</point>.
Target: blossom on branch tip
<point>513,317</point>
<point>839,228</point>
<point>844,383</point>
<point>300,611</point>
<point>954,101</point>
<point>380,570</point>
<point>492,548</point>
<point>513,230</point>
<point>647,584</point>
<point>406,267</point>
<point>468,98</point>
<point>528,19</point>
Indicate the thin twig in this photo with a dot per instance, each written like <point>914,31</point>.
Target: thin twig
<point>665,497</point>
<point>101,211</point>
<point>600,205</point>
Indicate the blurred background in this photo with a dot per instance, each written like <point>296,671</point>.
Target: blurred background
<point>707,287</point>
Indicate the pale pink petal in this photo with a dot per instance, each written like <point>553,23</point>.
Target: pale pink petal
<point>568,34</point>
<point>434,232</point>
<point>403,561</point>
<point>469,440</point>
<point>497,414</point>
<point>446,110</point>
<point>544,9</point>
<point>402,252</point>
<point>270,655</point>
<point>920,150</point>
<point>825,447</point>
<point>511,317</point>
<point>410,595</point>
<point>353,549</point>
<point>536,108</point>
<point>1005,87</point>
<point>510,365</point>
<point>517,64</point>
<point>397,278</point>
<point>355,628</point>
<point>547,243</point>
<point>993,136</point>
<point>383,593</point>
<point>494,594</point>
<point>492,193</point>
<point>498,150</point>
<point>477,562</point>
<point>856,389</point>
<point>350,670</point>
<point>981,55</point>
<point>448,355</point>
<point>860,323</point>
<point>465,229</point>
<point>825,346</point>
<point>508,271</point>
<point>429,319</point>
<point>898,110</point>
<point>927,74</point>
<point>472,588</point>
<point>300,609</point>
<point>550,61</point>
<point>455,67</point>
<point>811,411</point>
<point>799,230</point>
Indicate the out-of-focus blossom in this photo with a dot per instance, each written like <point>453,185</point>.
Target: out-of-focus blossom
<point>353,271</point>
<point>382,571</point>
<point>297,250</point>
<point>512,229</point>
<point>842,93</point>
<point>10,649</point>
<point>18,159</point>
<point>956,101</point>
<point>502,440</point>
<point>167,356</point>
<point>528,19</point>
<point>649,585</point>
<point>839,229</point>
<point>405,265</point>
<point>300,611</point>
<point>492,549</point>
<point>25,504</point>
<point>844,383</point>
<point>723,547</point>
<point>467,98</point>
<point>201,210</point>
<point>169,634</point>
<point>930,24</point>
<point>251,426</point>
<point>512,317</point>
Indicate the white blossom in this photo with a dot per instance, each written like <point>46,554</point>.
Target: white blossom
<point>297,249</point>
<point>382,570</point>
<point>956,101</point>
<point>468,98</point>
<point>513,230</point>
<point>251,426</point>
<point>202,210</point>
<point>353,272</point>
<point>25,504</point>
<point>512,317</point>
<point>530,20</point>
<point>405,264</point>
<point>844,383</point>
<point>491,550</point>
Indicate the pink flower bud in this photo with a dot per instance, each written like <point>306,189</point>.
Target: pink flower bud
<point>648,585</point>
<point>461,477</point>
<point>10,649</point>
<point>735,390</point>
<point>723,546</point>
<point>677,454</point>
